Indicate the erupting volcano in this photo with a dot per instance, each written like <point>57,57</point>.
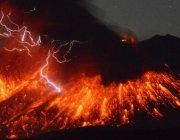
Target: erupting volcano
<point>34,99</point>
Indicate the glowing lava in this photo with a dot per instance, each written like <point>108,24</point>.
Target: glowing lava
<point>86,102</point>
<point>29,104</point>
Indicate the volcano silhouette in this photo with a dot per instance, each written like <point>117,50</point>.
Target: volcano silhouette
<point>154,53</point>
<point>103,52</point>
<point>161,50</point>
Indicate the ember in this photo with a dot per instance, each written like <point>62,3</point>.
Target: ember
<point>30,105</point>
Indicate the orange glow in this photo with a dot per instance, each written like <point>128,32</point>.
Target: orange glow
<point>30,106</point>
<point>86,102</point>
<point>128,37</point>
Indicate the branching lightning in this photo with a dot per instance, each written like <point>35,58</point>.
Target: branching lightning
<point>26,109</point>
<point>22,33</point>
<point>71,43</point>
<point>24,37</point>
<point>45,77</point>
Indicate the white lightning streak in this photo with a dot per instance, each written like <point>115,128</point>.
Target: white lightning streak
<point>21,32</point>
<point>71,43</point>
<point>45,77</point>
<point>29,10</point>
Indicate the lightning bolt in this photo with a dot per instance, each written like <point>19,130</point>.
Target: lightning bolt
<point>22,33</point>
<point>25,38</point>
<point>45,77</point>
<point>52,54</point>
<point>29,10</point>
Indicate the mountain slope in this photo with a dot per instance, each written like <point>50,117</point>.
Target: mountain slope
<point>161,50</point>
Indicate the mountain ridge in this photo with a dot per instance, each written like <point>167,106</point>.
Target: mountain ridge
<point>160,51</point>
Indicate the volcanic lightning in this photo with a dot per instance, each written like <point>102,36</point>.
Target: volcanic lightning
<point>24,33</point>
<point>28,107</point>
<point>21,32</point>
<point>41,73</point>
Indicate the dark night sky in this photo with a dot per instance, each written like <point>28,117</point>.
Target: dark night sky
<point>145,18</point>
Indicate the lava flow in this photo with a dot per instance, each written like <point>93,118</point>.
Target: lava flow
<point>34,101</point>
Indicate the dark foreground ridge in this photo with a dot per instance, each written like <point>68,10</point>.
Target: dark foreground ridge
<point>114,60</point>
<point>108,132</point>
<point>143,127</point>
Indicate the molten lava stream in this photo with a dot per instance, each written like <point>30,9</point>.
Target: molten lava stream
<point>31,102</point>
<point>85,102</point>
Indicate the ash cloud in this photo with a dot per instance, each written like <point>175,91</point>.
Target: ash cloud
<point>105,53</point>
